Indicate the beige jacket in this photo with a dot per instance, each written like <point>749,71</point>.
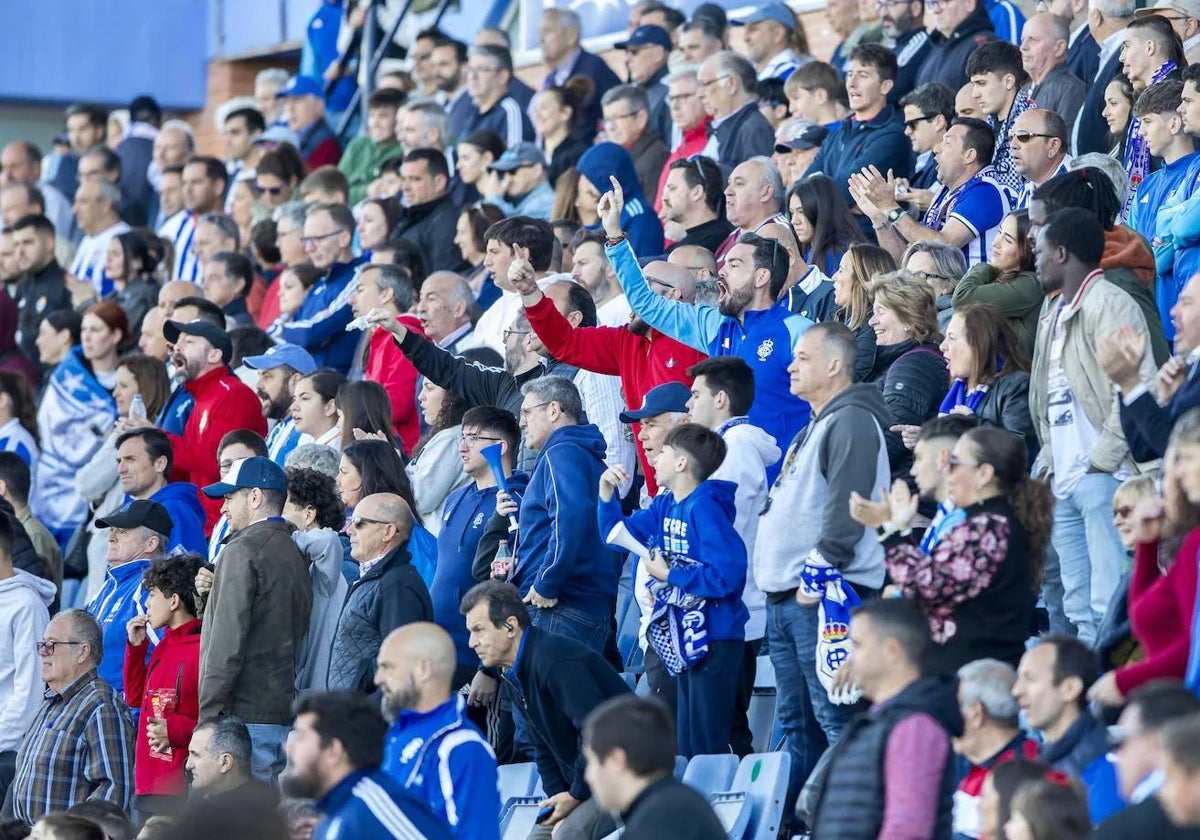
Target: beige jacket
<point>1103,309</point>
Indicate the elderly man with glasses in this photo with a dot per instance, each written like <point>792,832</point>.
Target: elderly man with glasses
<point>1039,143</point>
<point>80,742</point>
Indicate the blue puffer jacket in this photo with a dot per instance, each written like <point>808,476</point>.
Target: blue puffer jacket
<point>389,595</point>
<point>559,550</point>
<point>638,221</point>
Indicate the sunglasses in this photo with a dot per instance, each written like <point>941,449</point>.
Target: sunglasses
<point>1026,136</point>
<point>269,190</point>
<point>912,124</point>
<point>360,521</point>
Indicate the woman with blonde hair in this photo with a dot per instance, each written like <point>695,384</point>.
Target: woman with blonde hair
<point>908,366</point>
<point>860,264</point>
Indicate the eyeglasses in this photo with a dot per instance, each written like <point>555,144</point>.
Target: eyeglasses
<point>680,97</point>
<point>929,275</point>
<point>1123,512</point>
<point>911,125</point>
<point>525,412</point>
<point>259,188</point>
<point>616,118</point>
<point>313,240</point>
<point>510,333</point>
<point>360,521</point>
<point>713,81</point>
<point>46,648</point>
<point>1026,136</point>
<point>883,4</point>
<point>662,283</point>
<point>468,438</point>
<point>958,462</point>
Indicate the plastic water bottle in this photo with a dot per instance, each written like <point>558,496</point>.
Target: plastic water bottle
<point>137,408</point>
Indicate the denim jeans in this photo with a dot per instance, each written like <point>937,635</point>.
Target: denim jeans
<point>590,629</point>
<point>1090,556</point>
<point>810,722</point>
<point>267,758</point>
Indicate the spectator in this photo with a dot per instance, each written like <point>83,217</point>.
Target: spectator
<point>325,185</point>
<point>630,759</point>
<point>15,477</point>
<point>817,93</point>
<point>1153,54</point>
<point>376,218</point>
<point>334,753</point>
<point>435,471</point>
<point>557,112</point>
<point>688,115</point>
<point>292,288</point>
<point>691,204</point>
<point>998,84</point>
<point>76,412</point>
<point>18,433</point>
<point>151,343</point>
<point>304,109</point>
<point>700,38</point>
<point>240,130</point>
<point>1180,765</point>
<point>132,268</point>
<point>904,26</point>
<point>165,689</point>
<point>521,173</point>
<point>560,31</point>
<point>22,163</point>
<point>1140,759</point>
<point>144,464</point>
<point>314,408</point>
<point>277,175</point>
<point>489,74</point>
<point>41,279</point>
<point>597,168</point>
<point>874,133</point>
<point>825,228</point>
<point>422,125</point>
<point>279,371</point>
<point>80,745</point>
<point>219,762</point>
<point>215,232</point>
<point>414,673</point>
<point>843,452</point>
<point>253,674</point>
<point>963,26</point>
<point>388,593</point>
<point>941,267</point>
<point>557,682</point>
<point>1045,57</point>
<point>24,602</point>
<point>228,277</point>
<point>912,715</point>
<point>95,210</point>
<point>966,213</point>
<point>1049,808</point>
<point>360,162</point>
<point>991,737</point>
<point>204,183</point>
<point>430,210</point>
<point>691,568</point>
<point>997,394</point>
<point>1081,449</point>
<point>627,123</point>
<point>846,21</point>
<point>770,31</point>
<point>235,445</point>
<point>739,131</point>
<point>928,113</point>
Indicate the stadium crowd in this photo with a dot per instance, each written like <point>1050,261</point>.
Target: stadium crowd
<point>340,475</point>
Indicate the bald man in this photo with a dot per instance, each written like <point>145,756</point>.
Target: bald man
<point>431,748</point>
<point>389,593</point>
<point>175,291</point>
<point>698,261</point>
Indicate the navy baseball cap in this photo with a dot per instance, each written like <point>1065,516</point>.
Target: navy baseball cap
<point>777,12</point>
<point>646,35</point>
<point>258,471</point>
<point>802,138</point>
<point>216,336</point>
<point>670,396</point>
<point>302,86</point>
<point>295,357</point>
<point>139,513</point>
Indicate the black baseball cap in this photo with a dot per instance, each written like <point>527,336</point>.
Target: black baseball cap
<point>139,513</point>
<point>216,336</point>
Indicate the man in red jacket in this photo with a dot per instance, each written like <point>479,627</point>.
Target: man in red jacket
<point>222,403</point>
<point>167,689</point>
<point>641,356</point>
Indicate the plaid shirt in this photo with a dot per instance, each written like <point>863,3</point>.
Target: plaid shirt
<point>79,747</point>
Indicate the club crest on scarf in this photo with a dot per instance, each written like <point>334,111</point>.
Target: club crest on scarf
<point>678,628</point>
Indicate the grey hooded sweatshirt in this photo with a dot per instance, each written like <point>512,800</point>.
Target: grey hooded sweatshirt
<point>323,549</point>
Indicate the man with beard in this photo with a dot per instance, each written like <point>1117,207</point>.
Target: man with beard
<point>278,371</point>
<point>334,752</point>
<point>430,740</point>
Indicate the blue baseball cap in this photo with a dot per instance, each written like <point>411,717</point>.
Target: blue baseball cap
<point>777,12</point>
<point>646,35</point>
<point>522,154</point>
<point>670,396</point>
<point>302,86</point>
<point>258,471</point>
<point>297,358</point>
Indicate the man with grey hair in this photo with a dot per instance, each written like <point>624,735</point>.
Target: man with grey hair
<point>1044,57</point>
<point>627,123</point>
<point>80,742</point>
<point>267,85</point>
<point>991,734</point>
<point>95,209</point>
<point>753,200</point>
<point>219,762</point>
<point>422,124</point>
<point>315,456</point>
<point>1107,22</point>
<point>727,85</point>
<point>447,311</point>
<point>138,534</point>
<point>563,569</point>
<point>560,33</point>
<point>289,230</point>
<point>489,71</point>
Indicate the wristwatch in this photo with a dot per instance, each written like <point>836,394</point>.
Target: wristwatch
<point>894,216</point>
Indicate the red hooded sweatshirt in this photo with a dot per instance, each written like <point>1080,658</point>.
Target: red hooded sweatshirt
<point>173,673</point>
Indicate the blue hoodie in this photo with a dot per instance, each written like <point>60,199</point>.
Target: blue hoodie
<point>183,504</point>
<point>699,529</point>
<point>465,516</point>
<point>641,226</point>
<point>441,758</point>
<point>765,338</point>
<point>120,598</point>
<point>559,550</point>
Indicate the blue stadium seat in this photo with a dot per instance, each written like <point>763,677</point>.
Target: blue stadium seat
<point>681,764</point>
<point>761,712</point>
<point>517,780</point>
<point>519,817</point>
<point>711,774</point>
<point>764,778</point>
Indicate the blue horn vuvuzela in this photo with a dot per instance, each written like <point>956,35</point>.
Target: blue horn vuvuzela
<point>492,455</point>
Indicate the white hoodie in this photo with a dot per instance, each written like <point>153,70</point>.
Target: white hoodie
<point>24,614</point>
<point>748,452</point>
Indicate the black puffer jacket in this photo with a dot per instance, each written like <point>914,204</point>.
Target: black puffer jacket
<point>946,61</point>
<point>1006,406</point>
<point>914,381</point>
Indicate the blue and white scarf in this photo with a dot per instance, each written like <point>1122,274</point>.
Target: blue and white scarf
<point>959,395</point>
<point>818,579</point>
<point>1137,151</point>
<point>678,628</point>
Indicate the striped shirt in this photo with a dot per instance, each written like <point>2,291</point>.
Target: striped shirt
<point>88,264</point>
<point>79,747</point>
<point>181,230</point>
<point>16,438</point>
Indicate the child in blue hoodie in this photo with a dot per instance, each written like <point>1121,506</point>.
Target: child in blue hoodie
<point>697,564</point>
